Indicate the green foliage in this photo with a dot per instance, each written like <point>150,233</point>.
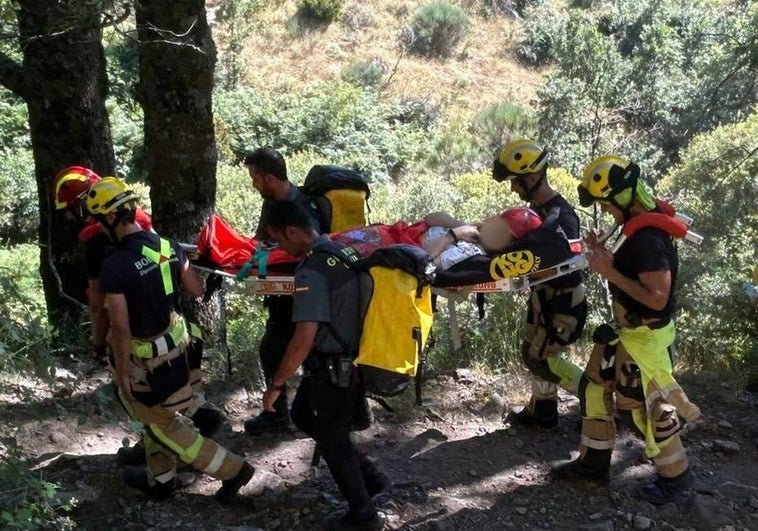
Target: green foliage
<point>367,74</point>
<point>236,200</point>
<point>14,122</point>
<point>494,8</point>
<point>236,20</point>
<point>438,28</point>
<point>640,78</point>
<point>492,342</point>
<point>128,141</point>
<point>25,335</point>
<point>245,324</point>
<point>471,144</point>
<point>483,196</point>
<point>19,215</point>
<point>344,124</point>
<point>495,125</point>
<point>543,26</point>
<point>122,68</point>
<point>716,184</point>
<point>320,11</point>
<point>26,499</point>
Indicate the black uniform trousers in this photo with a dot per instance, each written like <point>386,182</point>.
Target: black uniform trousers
<point>326,413</point>
<point>279,331</point>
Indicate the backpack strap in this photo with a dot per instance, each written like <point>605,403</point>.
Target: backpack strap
<point>352,259</point>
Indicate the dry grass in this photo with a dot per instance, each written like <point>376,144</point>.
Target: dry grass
<point>483,72</point>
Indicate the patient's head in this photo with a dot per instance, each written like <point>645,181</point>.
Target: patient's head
<point>499,231</point>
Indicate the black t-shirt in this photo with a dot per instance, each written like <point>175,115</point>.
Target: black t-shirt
<point>567,219</point>
<point>296,195</point>
<point>647,250</point>
<point>96,249</point>
<point>129,272</point>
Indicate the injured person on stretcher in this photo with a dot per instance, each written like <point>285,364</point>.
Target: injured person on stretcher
<point>511,244</point>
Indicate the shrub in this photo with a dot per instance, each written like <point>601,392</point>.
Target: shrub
<point>494,126</point>
<point>543,26</point>
<point>367,74</point>
<point>24,332</point>
<point>341,123</point>
<point>236,199</point>
<point>357,17</point>
<point>494,8</point>
<point>320,11</point>
<point>716,184</point>
<point>438,28</point>
<point>14,122</point>
<point>19,216</point>
<point>26,499</point>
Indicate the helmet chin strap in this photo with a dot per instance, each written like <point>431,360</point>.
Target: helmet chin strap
<point>626,209</point>
<point>112,226</point>
<point>530,190</point>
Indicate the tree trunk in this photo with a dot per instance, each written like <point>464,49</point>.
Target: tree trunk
<point>63,82</point>
<point>177,59</point>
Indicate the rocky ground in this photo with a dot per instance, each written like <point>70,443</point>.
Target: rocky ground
<point>454,464</point>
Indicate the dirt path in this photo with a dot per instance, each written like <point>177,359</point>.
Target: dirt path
<point>453,462</point>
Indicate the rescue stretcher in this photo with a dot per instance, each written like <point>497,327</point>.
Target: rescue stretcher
<point>247,270</point>
<point>258,271</point>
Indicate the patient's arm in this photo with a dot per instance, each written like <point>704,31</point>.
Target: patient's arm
<point>467,233</point>
<point>443,219</point>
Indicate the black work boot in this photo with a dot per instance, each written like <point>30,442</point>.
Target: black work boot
<point>377,483</point>
<point>137,478</point>
<point>352,523</point>
<point>270,421</point>
<point>132,455</point>
<point>363,417</point>
<point>207,420</point>
<point>665,490</point>
<point>580,470</point>
<point>375,480</point>
<point>230,487</point>
<point>545,414</point>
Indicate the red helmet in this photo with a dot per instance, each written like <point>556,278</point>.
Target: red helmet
<point>521,220</point>
<point>72,184</point>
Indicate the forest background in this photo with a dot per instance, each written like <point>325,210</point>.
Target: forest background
<point>418,96</point>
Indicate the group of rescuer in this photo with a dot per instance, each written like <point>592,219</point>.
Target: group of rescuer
<point>137,279</point>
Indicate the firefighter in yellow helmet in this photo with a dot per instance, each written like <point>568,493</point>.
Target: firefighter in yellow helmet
<point>142,280</point>
<point>632,356</point>
<point>71,187</point>
<point>557,309</point>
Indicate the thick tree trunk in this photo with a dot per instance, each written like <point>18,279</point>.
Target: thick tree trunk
<point>63,82</point>
<point>177,60</point>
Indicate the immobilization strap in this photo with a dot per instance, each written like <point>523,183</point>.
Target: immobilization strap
<point>260,257</point>
<point>245,269</point>
<point>161,258</point>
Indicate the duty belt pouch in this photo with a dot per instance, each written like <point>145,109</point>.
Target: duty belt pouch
<point>563,320</point>
<point>195,353</point>
<point>167,378</point>
<point>339,368</point>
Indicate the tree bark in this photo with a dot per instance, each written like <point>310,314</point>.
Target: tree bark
<point>62,80</point>
<point>177,59</point>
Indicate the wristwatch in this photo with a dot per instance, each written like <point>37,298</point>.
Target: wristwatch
<point>452,234</point>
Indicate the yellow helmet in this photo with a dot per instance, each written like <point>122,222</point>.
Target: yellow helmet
<point>109,195</point>
<point>605,177</point>
<point>520,157</point>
